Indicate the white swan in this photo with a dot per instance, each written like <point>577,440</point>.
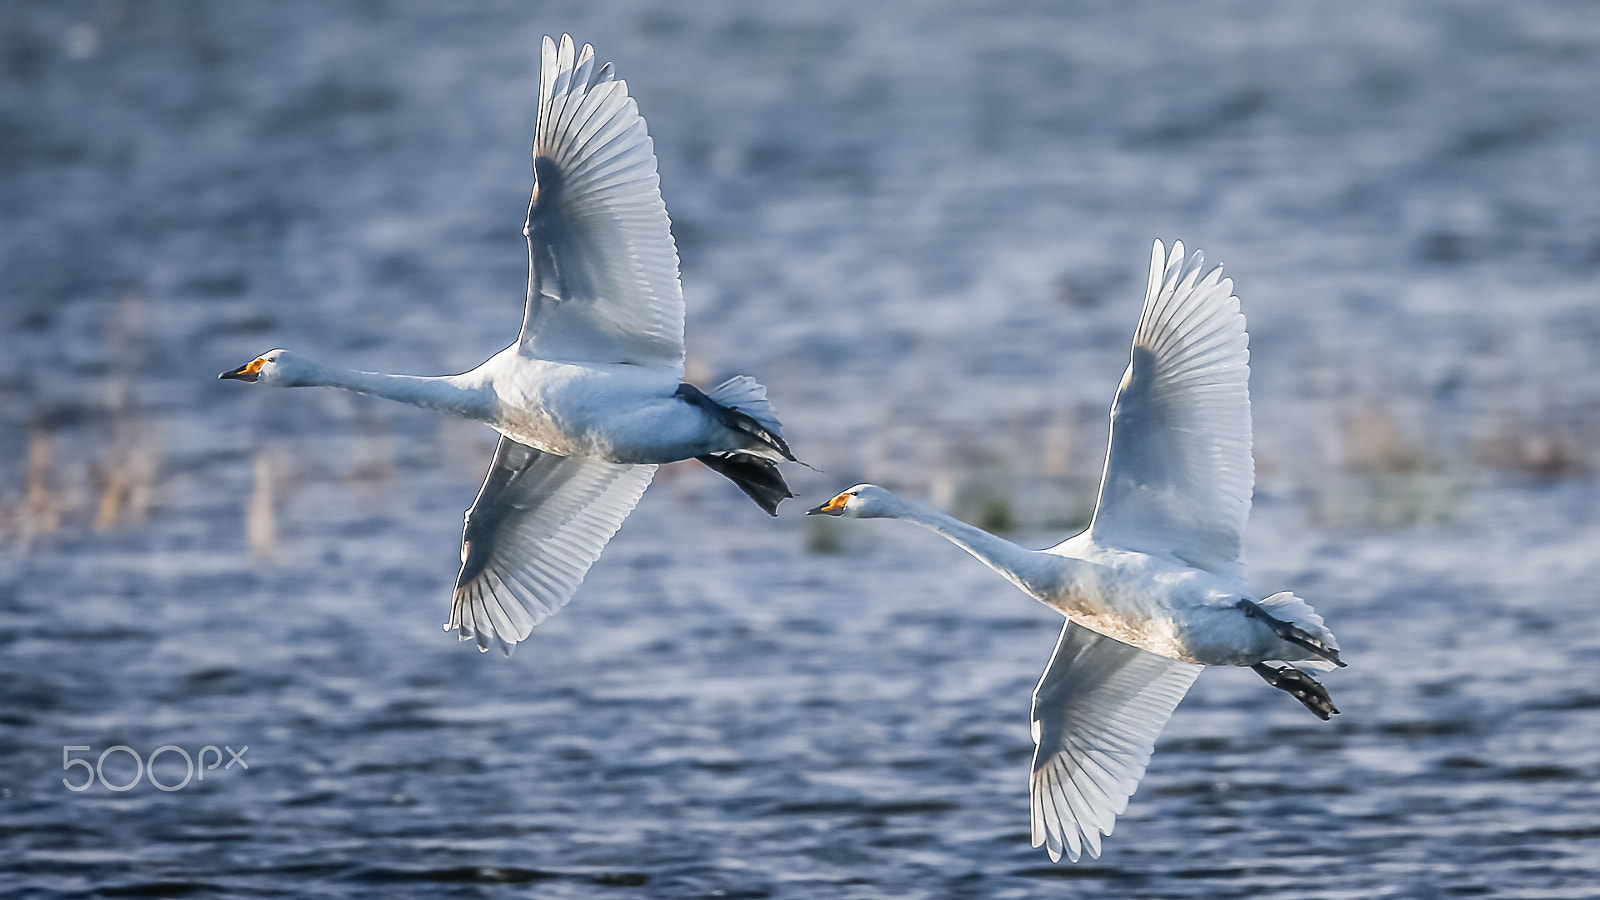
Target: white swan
<point>1154,589</point>
<point>591,396</point>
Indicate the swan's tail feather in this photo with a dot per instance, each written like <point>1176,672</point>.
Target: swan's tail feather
<point>741,405</point>
<point>748,396</point>
<point>1289,608</point>
<point>758,478</point>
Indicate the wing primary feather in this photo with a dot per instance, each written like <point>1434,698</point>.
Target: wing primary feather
<point>596,115</point>
<point>499,619</point>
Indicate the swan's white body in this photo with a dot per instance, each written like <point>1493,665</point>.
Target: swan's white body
<point>607,412</point>
<point>1155,588</point>
<point>590,399</point>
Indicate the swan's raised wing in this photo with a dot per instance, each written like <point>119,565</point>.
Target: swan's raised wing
<point>1096,715</point>
<point>602,268</point>
<point>1179,472</point>
<point>539,523</point>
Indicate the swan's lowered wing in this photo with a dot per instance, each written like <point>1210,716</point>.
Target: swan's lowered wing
<point>1096,715</point>
<point>602,268</point>
<point>1179,472</point>
<point>539,523</point>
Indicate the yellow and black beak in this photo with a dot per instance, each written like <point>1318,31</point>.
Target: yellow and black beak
<point>834,507</point>
<point>250,371</point>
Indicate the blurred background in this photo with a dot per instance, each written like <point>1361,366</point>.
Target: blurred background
<point>926,228</point>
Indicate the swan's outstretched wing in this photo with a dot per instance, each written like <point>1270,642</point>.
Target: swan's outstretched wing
<point>602,268</point>
<point>1179,472</point>
<point>539,523</point>
<point>1096,715</point>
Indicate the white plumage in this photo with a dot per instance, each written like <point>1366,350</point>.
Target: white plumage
<point>590,399</point>
<point>1179,473</point>
<point>1154,589</point>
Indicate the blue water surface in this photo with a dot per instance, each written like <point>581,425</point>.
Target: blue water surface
<point>925,228</point>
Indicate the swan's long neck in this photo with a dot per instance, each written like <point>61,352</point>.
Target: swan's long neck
<point>1029,570</point>
<point>464,395</point>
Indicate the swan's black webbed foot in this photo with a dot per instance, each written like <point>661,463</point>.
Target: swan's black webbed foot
<point>1300,686</point>
<point>1291,632</point>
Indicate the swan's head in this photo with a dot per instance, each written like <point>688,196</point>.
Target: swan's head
<point>278,367</point>
<point>864,501</point>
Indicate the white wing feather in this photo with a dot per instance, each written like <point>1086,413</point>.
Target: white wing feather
<point>1179,472</point>
<point>1097,712</point>
<point>539,523</point>
<point>603,270</point>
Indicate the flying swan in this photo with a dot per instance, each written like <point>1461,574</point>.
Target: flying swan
<point>1155,588</point>
<point>591,397</point>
